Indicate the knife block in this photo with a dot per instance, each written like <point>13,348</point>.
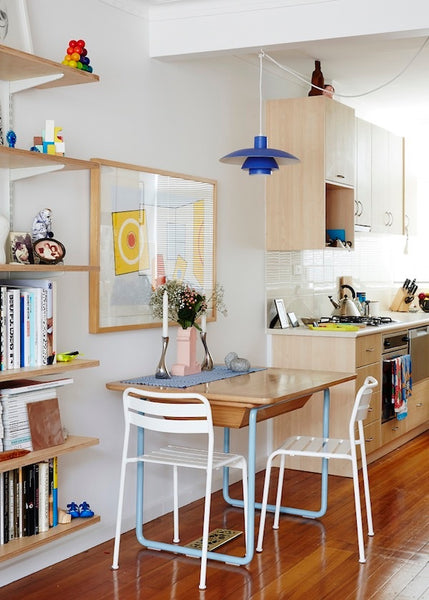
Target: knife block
<point>398,304</point>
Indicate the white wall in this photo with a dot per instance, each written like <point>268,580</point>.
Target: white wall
<point>179,116</point>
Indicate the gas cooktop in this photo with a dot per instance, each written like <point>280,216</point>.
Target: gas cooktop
<point>371,321</point>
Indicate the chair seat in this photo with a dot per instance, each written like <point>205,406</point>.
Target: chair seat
<point>316,446</point>
<point>189,457</point>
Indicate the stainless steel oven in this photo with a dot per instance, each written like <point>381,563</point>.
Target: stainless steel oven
<point>394,345</point>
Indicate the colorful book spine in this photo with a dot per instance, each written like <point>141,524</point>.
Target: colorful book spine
<point>55,492</point>
<point>3,327</point>
<point>43,497</point>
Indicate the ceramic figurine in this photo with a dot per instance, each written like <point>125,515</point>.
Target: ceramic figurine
<point>42,225</point>
<point>11,138</point>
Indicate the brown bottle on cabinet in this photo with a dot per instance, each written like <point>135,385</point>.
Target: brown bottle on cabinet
<point>316,79</point>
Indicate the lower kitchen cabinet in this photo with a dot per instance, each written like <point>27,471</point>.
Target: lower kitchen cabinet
<point>362,355</point>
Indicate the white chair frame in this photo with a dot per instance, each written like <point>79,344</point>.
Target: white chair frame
<point>329,448</point>
<point>175,413</point>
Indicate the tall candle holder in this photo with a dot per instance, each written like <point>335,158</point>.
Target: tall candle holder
<point>162,372</point>
<point>207,364</point>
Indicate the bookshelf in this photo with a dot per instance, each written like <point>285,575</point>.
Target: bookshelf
<point>21,71</point>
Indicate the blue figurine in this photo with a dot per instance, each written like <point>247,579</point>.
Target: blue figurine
<point>11,138</point>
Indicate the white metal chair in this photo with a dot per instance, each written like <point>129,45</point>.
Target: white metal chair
<point>330,448</point>
<point>175,413</point>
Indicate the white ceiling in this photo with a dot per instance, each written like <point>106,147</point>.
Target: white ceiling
<point>355,64</point>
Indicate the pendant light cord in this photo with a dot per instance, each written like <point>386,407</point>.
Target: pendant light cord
<point>262,55</point>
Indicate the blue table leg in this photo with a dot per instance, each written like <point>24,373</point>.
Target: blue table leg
<point>252,470</point>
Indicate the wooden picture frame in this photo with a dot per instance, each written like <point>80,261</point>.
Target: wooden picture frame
<point>15,25</point>
<point>147,225</point>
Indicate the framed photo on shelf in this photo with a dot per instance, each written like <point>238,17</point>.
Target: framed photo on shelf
<point>293,320</point>
<point>281,313</point>
<point>20,248</point>
<point>15,26</point>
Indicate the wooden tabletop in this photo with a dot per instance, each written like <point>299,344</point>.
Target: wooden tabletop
<point>275,390</point>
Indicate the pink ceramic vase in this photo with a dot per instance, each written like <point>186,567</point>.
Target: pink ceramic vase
<point>186,363</point>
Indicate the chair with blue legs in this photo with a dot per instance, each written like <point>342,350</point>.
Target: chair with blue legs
<point>178,414</point>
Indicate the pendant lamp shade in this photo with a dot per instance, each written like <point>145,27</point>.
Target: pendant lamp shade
<point>260,160</point>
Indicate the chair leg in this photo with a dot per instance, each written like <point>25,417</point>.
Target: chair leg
<point>264,504</point>
<point>176,535</point>
<point>358,510</point>
<point>366,482</point>
<point>115,563</point>
<point>279,491</point>
<point>206,524</point>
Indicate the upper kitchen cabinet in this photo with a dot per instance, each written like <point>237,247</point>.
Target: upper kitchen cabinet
<point>387,181</point>
<point>363,203</point>
<point>340,157</point>
<point>306,199</point>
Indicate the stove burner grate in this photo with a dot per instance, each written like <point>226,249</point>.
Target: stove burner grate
<point>371,321</point>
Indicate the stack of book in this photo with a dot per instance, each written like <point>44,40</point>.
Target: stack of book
<point>28,500</point>
<point>30,416</point>
<point>27,323</point>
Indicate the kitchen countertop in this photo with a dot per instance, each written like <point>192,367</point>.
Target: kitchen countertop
<point>402,320</point>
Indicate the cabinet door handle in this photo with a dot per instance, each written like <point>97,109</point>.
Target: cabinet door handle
<point>390,219</point>
<point>369,349</point>
<point>370,409</point>
<point>387,218</point>
<point>356,208</point>
<point>419,404</point>
<point>395,428</point>
<point>340,176</point>
<point>367,440</point>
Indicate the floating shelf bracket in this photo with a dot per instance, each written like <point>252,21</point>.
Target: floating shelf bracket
<point>26,84</point>
<point>16,174</point>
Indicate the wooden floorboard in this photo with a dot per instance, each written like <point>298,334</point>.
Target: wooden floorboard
<point>303,559</point>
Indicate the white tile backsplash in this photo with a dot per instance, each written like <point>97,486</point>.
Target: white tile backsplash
<point>377,265</point>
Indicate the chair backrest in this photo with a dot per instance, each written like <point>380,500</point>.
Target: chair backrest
<point>168,413</point>
<point>362,401</point>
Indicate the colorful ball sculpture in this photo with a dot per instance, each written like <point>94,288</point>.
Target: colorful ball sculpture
<point>76,56</point>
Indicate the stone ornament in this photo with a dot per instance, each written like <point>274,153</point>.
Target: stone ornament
<point>235,363</point>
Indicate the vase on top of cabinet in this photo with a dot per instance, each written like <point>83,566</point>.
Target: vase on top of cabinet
<point>318,193</point>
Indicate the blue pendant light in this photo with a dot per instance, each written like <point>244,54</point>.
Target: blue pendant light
<point>260,160</point>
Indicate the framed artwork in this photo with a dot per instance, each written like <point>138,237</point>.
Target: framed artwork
<point>14,25</point>
<point>147,226</point>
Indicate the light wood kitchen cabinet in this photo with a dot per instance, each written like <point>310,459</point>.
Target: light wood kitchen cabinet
<point>360,354</point>
<point>340,142</point>
<point>306,199</point>
<point>363,201</point>
<point>348,354</point>
<point>387,181</point>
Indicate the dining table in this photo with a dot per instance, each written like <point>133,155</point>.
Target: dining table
<point>241,400</point>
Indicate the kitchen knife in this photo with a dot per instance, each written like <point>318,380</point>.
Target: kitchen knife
<point>411,285</point>
<point>406,284</point>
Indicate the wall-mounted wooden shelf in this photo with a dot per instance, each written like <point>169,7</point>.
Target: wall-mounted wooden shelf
<point>16,65</point>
